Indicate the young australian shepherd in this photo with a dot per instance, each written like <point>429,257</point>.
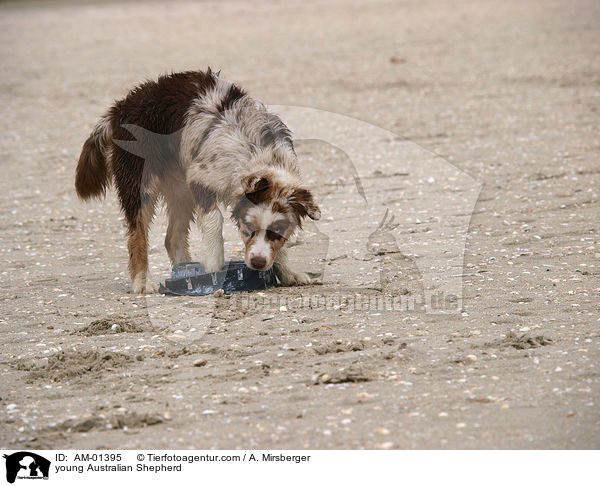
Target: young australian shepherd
<point>198,141</point>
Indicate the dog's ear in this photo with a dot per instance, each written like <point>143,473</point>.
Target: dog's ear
<point>303,203</point>
<point>255,187</point>
<point>254,183</point>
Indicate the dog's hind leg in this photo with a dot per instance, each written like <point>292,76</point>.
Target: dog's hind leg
<point>138,249</point>
<point>136,182</point>
<point>138,206</point>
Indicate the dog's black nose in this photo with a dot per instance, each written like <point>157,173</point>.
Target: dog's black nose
<point>258,262</point>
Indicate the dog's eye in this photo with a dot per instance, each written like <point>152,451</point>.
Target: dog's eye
<point>248,230</point>
<point>279,227</point>
<point>273,236</point>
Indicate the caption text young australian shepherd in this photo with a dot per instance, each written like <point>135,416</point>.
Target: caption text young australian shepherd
<point>198,141</point>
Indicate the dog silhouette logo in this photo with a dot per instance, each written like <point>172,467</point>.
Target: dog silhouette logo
<point>26,465</point>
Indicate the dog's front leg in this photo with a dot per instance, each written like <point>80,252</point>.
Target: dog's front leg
<point>284,272</point>
<point>212,247</point>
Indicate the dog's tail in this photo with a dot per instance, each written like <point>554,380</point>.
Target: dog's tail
<point>92,176</point>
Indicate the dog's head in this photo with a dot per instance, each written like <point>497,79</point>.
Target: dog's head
<point>268,210</point>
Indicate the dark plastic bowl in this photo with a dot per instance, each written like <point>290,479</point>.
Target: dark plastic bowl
<point>190,278</point>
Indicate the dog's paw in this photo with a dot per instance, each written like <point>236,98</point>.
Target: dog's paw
<point>151,287</point>
<point>213,262</point>
<point>294,278</point>
<point>143,284</point>
<point>213,265</point>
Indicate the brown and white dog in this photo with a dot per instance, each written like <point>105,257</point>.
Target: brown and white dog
<point>198,141</point>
